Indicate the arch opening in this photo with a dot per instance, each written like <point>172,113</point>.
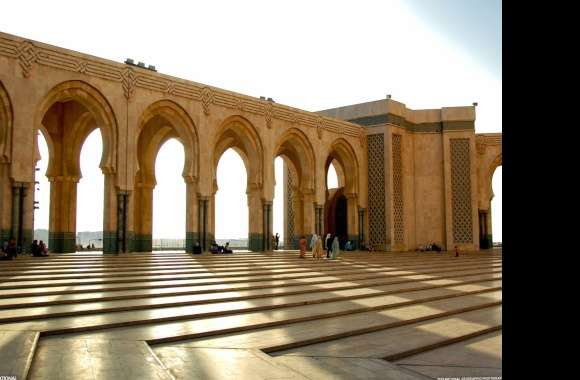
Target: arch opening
<point>341,205</point>
<point>70,113</point>
<point>496,207</point>
<point>169,201</point>
<point>230,194</point>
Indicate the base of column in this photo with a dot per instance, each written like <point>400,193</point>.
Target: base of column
<point>130,241</point>
<point>486,242</point>
<point>62,242</point>
<point>4,235</point>
<point>143,243</point>
<point>256,242</point>
<point>27,237</point>
<point>190,239</point>
<point>110,242</point>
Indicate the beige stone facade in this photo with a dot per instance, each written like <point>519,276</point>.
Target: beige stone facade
<point>434,178</point>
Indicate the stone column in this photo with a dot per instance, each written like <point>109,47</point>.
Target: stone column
<point>144,218</point>
<point>191,216</point>
<point>121,236</point>
<point>255,222</point>
<point>268,225</point>
<point>308,215</point>
<point>22,215</point>
<point>62,216</point>
<point>361,228</point>
<point>319,217</point>
<point>352,217</point>
<point>205,223</point>
<point>114,208</point>
<point>5,202</point>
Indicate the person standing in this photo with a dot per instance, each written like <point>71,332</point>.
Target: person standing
<point>456,251</point>
<point>317,251</point>
<point>313,240</point>
<point>327,243</point>
<point>302,244</point>
<point>277,240</point>
<point>335,248</point>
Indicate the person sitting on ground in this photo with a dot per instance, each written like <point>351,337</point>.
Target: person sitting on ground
<point>349,246</point>
<point>34,251</point>
<point>11,249</point>
<point>435,247</point>
<point>42,249</point>
<point>227,248</point>
<point>213,248</point>
<point>197,248</point>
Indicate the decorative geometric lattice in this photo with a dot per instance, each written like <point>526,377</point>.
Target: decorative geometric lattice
<point>376,178</point>
<point>290,234</point>
<point>398,222</point>
<point>461,191</point>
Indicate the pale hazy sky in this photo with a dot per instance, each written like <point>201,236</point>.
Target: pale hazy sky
<point>306,54</point>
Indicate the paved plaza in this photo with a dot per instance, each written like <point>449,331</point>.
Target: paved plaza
<point>171,315</point>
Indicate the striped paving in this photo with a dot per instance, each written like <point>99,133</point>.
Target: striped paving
<point>284,314</point>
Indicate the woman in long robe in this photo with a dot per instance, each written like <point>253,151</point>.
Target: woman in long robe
<point>317,251</point>
<point>335,248</point>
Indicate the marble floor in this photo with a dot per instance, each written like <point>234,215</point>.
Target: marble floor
<point>271,315</point>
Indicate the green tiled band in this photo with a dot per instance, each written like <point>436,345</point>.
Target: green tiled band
<point>190,239</point>
<point>62,242</point>
<point>110,242</point>
<point>143,243</point>
<point>256,242</point>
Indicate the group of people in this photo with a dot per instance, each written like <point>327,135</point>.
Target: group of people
<point>429,247</point>
<point>215,248</point>
<point>330,245</point>
<point>10,249</point>
<point>39,249</point>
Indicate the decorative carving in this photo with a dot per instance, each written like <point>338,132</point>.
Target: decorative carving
<point>319,126</point>
<point>170,88</point>
<point>294,118</point>
<point>398,205</point>
<point>362,138</point>
<point>207,99</point>
<point>128,82</point>
<point>240,104</point>
<point>27,55</point>
<point>376,183</point>
<point>268,111</point>
<point>480,144</point>
<point>461,191</point>
<point>81,66</point>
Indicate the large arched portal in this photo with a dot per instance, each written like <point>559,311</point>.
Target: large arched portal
<point>295,150</point>
<point>68,114</point>
<point>239,134</point>
<point>160,122</point>
<point>485,214</point>
<point>341,206</point>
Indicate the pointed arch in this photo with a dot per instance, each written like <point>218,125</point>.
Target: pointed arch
<point>160,122</point>
<point>93,102</point>
<point>239,133</point>
<point>294,145</point>
<point>342,152</point>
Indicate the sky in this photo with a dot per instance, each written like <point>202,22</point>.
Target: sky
<point>306,54</point>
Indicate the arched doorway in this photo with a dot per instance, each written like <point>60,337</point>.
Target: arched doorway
<point>239,134</point>
<point>161,122</point>
<point>341,206</point>
<point>69,113</point>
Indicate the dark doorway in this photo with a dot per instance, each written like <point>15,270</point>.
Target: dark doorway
<point>336,216</point>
